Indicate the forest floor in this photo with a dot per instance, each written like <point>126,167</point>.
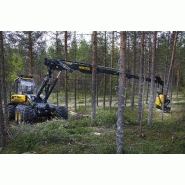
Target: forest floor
<point>166,135</point>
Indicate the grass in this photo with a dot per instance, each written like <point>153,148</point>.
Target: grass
<point>76,136</point>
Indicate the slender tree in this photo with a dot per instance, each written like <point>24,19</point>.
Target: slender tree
<point>66,74</point>
<point>57,56</point>
<point>105,61</point>
<point>175,35</point>
<point>152,87</point>
<point>148,65</point>
<point>141,80</point>
<point>3,83</point>
<point>75,71</point>
<point>31,53</point>
<point>133,70</point>
<point>2,125</point>
<point>119,132</point>
<point>94,72</point>
<point>111,65</point>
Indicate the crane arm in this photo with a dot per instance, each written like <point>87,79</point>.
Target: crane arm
<point>61,65</point>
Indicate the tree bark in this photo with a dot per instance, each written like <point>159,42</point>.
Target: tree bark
<point>31,53</point>
<point>57,56</point>
<point>4,86</point>
<point>172,61</point>
<point>75,71</point>
<point>105,61</point>
<point>66,74</point>
<point>133,70</point>
<point>119,132</point>
<point>111,65</point>
<point>141,80</point>
<point>152,87</point>
<point>149,73</point>
<point>2,124</point>
<point>94,72</point>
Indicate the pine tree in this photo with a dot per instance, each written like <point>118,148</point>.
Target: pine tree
<point>105,61</point>
<point>94,72</point>
<point>119,132</point>
<point>152,87</point>
<point>175,35</point>
<point>111,65</point>
<point>133,70</point>
<point>66,74</point>
<point>141,81</point>
<point>31,72</point>
<point>2,124</point>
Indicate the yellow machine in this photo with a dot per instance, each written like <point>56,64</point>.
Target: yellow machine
<point>27,104</point>
<point>160,100</point>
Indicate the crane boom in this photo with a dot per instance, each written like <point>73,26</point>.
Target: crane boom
<point>87,68</point>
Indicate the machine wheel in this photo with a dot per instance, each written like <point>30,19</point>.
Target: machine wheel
<point>24,114</point>
<point>61,112</point>
<point>11,112</point>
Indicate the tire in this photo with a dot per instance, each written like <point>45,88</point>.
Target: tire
<point>61,112</point>
<point>11,112</point>
<point>24,114</point>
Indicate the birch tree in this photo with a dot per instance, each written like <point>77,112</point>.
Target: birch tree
<point>119,132</point>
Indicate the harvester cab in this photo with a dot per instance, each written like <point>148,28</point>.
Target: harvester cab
<point>25,85</point>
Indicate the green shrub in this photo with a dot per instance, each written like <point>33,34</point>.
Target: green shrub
<point>28,137</point>
<point>83,122</point>
<point>105,118</point>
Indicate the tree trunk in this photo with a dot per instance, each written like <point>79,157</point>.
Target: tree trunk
<point>141,81</point>
<point>66,75</point>
<point>3,83</point>
<point>85,98</point>
<point>75,71</point>
<point>2,125</point>
<point>172,61</point>
<point>177,85</point>
<point>97,90</point>
<point>111,65</point>
<point>133,70</point>
<point>165,76</point>
<point>57,56</point>
<point>149,74</point>
<point>31,53</point>
<point>105,61</point>
<point>119,132</point>
<point>152,87</point>
<point>94,72</point>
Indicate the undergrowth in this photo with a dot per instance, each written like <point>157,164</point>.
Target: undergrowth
<point>78,136</point>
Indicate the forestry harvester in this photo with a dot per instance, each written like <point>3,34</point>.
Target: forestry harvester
<point>27,105</point>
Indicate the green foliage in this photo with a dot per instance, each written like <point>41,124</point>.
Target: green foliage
<point>27,137</point>
<point>16,64</point>
<point>83,122</point>
<point>51,52</point>
<point>106,118</point>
